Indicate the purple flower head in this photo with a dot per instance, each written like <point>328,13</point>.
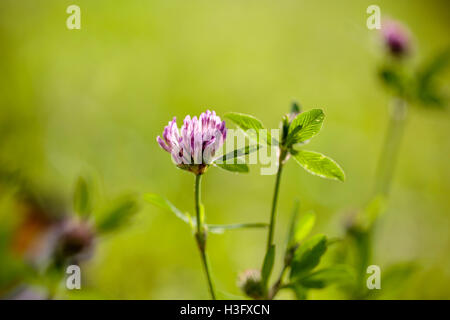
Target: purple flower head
<point>396,38</point>
<point>76,240</point>
<point>194,145</point>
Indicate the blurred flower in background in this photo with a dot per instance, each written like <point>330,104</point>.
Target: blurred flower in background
<point>397,38</point>
<point>49,237</point>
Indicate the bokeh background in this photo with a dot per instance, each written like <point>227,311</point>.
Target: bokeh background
<point>93,100</point>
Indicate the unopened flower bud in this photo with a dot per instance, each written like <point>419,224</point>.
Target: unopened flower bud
<point>76,239</point>
<point>250,283</point>
<point>295,110</point>
<point>396,38</point>
<point>288,118</point>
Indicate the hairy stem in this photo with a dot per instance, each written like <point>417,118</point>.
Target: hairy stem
<point>198,185</point>
<point>200,236</point>
<point>274,206</point>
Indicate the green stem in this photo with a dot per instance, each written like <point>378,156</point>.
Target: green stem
<point>274,202</point>
<point>200,236</point>
<point>391,146</point>
<point>383,181</point>
<point>208,274</point>
<point>278,284</point>
<point>288,255</point>
<point>198,185</point>
<point>274,207</point>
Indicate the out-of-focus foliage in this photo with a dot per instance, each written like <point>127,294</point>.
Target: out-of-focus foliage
<point>419,87</point>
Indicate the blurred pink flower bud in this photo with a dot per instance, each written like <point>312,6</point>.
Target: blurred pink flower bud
<point>396,38</point>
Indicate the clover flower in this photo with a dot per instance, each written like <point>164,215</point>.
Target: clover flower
<point>396,38</point>
<point>194,145</point>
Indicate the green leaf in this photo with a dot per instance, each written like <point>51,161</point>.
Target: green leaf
<point>238,153</point>
<point>267,265</point>
<point>292,224</point>
<point>304,226</point>
<point>14,268</point>
<point>339,274</point>
<point>299,291</point>
<point>393,79</point>
<point>375,208</point>
<point>318,164</point>
<point>308,255</point>
<point>250,125</point>
<point>237,167</point>
<point>117,214</point>
<point>305,126</point>
<point>395,280</point>
<point>221,228</point>
<point>430,97</point>
<point>165,204</point>
<point>290,139</point>
<point>361,251</point>
<point>82,198</point>
<point>427,91</point>
<point>396,275</point>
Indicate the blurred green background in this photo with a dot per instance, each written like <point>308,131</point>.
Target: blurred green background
<point>94,100</point>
